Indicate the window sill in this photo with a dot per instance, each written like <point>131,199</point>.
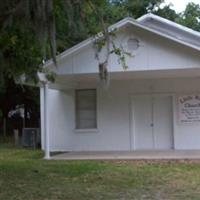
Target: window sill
<point>86,130</point>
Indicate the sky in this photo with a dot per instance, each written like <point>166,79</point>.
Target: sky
<point>179,5</point>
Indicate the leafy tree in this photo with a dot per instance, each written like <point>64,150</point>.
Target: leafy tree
<point>138,8</point>
<point>167,13</point>
<point>27,36</point>
<point>191,16</point>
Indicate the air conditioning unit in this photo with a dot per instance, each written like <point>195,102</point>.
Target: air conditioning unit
<point>31,137</point>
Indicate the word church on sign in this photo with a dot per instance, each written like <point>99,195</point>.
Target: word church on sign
<point>189,109</point>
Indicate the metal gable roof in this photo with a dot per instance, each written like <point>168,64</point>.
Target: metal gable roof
<point>151,23</point>
<point>171,28</point>
<point>151,16</point>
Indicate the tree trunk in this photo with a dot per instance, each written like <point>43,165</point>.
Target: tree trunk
<point>4,127</point>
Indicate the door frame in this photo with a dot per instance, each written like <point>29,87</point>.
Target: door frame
<point>132,121</point>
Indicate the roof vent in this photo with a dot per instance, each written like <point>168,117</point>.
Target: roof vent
<point>133,44</point>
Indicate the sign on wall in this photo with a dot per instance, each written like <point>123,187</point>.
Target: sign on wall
<point>189,109</point>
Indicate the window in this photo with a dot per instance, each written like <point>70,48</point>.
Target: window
<point>86,109</point>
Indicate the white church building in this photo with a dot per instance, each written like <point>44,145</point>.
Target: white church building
<point>154,104</point>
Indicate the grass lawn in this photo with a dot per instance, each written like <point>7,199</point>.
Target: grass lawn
<point>25,176</point>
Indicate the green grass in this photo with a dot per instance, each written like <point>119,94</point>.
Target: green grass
<point>24,175</point>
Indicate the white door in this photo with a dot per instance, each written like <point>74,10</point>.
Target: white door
<point>152,122</point>
<point>162,122</point>
<point>142,122</point>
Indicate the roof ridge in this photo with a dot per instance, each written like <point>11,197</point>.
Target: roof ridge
<point>169,22</point>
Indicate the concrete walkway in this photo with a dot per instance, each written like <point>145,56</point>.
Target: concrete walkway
<point>130,155</point>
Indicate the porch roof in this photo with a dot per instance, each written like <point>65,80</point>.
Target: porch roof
<point>71,81</point>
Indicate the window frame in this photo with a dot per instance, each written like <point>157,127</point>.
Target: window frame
<point>80,130</point>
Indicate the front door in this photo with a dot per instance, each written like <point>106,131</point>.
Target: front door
<point>152,122</point>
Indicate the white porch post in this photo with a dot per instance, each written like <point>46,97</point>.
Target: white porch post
<point>46,121</point>
<point>42,116</point>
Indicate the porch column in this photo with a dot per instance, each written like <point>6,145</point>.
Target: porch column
<point>46,121</point>
<point>42,117</point>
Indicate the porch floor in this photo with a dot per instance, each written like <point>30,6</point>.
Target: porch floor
<point>130,155</point>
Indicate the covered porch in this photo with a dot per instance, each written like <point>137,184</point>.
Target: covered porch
<point>115,136</point>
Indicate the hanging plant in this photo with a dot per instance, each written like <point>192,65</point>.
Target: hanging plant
<point>106,39</point>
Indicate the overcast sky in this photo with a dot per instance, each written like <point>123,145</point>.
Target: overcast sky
<point>179,5</point>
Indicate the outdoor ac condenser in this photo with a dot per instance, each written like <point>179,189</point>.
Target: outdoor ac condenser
<point>31,137</point>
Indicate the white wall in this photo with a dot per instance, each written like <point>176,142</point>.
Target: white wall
<point>154,53</point>
<point>114,116</point>
<point>62,128</point>
<point>61,119</point>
